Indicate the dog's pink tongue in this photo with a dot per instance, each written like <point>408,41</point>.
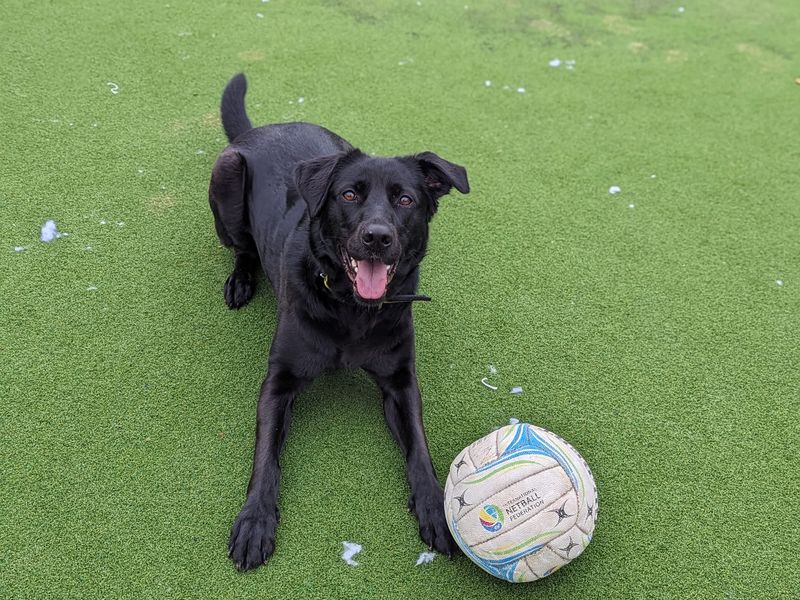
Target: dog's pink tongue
<point>371,279</point>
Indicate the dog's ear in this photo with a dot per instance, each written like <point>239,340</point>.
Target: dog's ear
<point>441,175</point>
<point>313,180</point>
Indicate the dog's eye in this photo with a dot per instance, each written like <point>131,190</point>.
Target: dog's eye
<point>405,201</point>
<point>349,196</point>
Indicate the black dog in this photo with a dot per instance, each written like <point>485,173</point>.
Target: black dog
<point>340,236</point>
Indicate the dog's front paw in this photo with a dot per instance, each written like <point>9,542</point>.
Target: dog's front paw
<point>252,539</point>
<point>239,288</point>
<point>429,508</point>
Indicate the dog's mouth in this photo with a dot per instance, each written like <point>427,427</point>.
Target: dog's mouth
<point>370,278</point>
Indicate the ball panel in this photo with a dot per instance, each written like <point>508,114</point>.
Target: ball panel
<point>535,532</point>
<point>582,480</point>
<point>509,467</point>
<point>585,519</point>
<point>523,573</point>
<point>461,467</point>
<point>505,435</point>
<point>503,571</point>
<point>528,439</point>
<point>570,544</point>
<point>483,451</point>
<point>544,561</point>
<point>515,504</point>
<point>502,480</point>
<point>448,498</point>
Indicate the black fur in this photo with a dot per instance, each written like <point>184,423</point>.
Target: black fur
<point>234,116</point>
<point>300,201</point>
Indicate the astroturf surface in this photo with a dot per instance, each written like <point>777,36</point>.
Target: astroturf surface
<point>655,329</point>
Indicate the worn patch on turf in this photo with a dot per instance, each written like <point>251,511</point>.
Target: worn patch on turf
<point>251,55</point>
<point>766,59</point>
<point>637,47</point>
<point>160,203</point>
<point>617,24</point>
<point>676,56</point>
<point>211,119</point>
<point>550,28</point>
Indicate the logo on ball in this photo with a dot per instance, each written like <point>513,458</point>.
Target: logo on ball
<point>491,517</point>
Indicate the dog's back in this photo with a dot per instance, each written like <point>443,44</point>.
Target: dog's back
<point>271,211</point>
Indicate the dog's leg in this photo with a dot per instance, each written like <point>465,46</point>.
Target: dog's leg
<point>402,407</point>
<point>252,538</point>
<point>241,283</point>
<point>226,194</point>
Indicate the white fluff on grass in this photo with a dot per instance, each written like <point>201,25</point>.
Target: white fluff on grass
<point>50,232</point>
<point>556,62</point>
<point>425,558</point>
<point>350,550</point>
<point>513,421</point>
<point>614,189</point>
<point>485,381</point>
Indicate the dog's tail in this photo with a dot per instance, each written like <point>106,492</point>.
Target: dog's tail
<point>234,115</point>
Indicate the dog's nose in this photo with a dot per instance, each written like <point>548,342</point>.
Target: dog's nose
<point>377,236</point>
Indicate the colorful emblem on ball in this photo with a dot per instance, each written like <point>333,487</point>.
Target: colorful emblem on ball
<point>491,517</point>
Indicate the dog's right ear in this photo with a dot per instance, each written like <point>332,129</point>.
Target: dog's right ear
<point>313,180</point>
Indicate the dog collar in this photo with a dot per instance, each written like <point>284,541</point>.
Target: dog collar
<point>393,300</point>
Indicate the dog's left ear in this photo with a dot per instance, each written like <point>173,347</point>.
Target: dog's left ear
<point>313,180</point>
<point>442,175</point>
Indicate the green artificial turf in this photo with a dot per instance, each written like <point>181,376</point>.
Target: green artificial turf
<point>649,328</point>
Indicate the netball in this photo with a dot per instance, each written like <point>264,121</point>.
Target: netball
<point>521,502</point>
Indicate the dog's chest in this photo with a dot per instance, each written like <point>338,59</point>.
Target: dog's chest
<point>346,358</point>
<point>357,340</point>
<point>359,353</point>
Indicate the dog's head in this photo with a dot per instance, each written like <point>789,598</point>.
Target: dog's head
<point>371,214</point>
